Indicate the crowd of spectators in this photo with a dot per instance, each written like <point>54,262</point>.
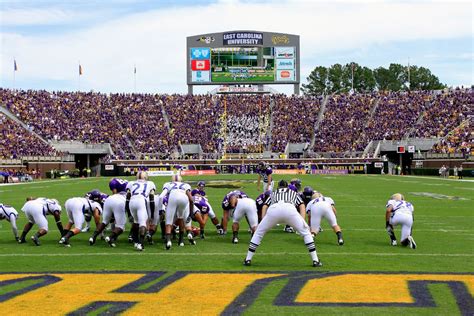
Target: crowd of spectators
<point>154,125</point>
<point>460,140</point>
<point>16,142</point>
<point>294,118</point>
<point>343,122</point>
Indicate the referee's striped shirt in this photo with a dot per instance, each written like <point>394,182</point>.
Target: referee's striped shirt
<point>284,195</point>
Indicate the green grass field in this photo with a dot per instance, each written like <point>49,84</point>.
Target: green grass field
<point>356,278</point>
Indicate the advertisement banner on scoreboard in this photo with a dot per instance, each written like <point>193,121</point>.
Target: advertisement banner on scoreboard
<point>285,75</point>
<point>286,64</point>
<point>200,65</point>
<point>285,52</point>
<point>201,76</point>
<point>200,53</point>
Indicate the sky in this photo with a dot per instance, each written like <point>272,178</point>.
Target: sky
<point>49,39</point>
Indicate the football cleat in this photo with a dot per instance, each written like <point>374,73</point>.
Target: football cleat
<point>140,247</point>
<point>288,229</point>
<point>393,242</point>
<point>220,231</point>
<point>340,242</point>
<point>149,239</point>
<point>411,242</point>
<point>247,263</point>
<point>35,240</point>
<point>168,245</point>
<point>202,236</point>
<point>317,263</point>
<point>62,241</point>
<point>181,244</point>
<point>130,239</point>
<point>320,229</point>
<point>85,229</point>
<point>191,239</point>
<point>91,241</point>
<point>235,240</point>
<point>21,241</point>
<point>110,242</point>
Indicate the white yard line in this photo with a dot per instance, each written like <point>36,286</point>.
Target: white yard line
<point>211,254</point>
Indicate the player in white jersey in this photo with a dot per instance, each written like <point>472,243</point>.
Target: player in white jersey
<point>140,197</point>
<point>77,208</point>
<point>9,214</point>
<point>36,211</point>
<point>323,207</point>
<point>241,207</point>
<point>180,201</point>
<point>400,212</point>
<point>114,210</point>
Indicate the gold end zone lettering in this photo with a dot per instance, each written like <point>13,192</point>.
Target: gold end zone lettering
<point>227,293</point>
<point>76,292</point>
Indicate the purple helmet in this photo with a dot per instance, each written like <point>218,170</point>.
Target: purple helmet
<point>118,184</point>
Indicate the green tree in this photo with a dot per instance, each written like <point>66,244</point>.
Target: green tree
<point>337,79</point>
<point>421,78</point>
<point>317,82</point>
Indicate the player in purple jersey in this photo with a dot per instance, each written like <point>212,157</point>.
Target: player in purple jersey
<point>264,172</point>
<point>96,196</point>
<point>226,207</point>
<point>260,202</point>
<point>202,211</point>
<point>199,189</point>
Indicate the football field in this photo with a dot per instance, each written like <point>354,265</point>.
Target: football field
<point>364,276</point>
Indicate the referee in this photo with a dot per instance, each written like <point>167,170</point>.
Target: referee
<point>283,207</point>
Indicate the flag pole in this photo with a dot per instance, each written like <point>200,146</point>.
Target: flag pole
<point>14,73</point>
<point>79,78</point>
<point>135,78</point>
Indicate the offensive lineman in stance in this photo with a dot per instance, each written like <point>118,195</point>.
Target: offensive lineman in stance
<point>9,214</point>
<point>241,207</point>
<point>77,208</point>
<point>140,196</point>
<point>323,206</point>
<point>180,202</point>
<point>114,208</point>
<point>282,207</point>
<point>400,212</point>
<point>36,211</point>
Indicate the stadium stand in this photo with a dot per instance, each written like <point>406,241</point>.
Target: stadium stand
<point>154,126</point>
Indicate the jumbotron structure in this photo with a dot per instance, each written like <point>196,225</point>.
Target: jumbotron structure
<point>236,58</point>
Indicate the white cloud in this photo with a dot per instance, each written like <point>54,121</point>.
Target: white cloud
<point>156,40</point>
<point>24,17</point>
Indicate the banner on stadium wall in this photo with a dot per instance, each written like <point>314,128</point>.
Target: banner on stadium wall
<point>197,172</point>
<point>287,171</point>
<point>160,173</point>
<point>328,171</point>
<point>378,164</point>
<point>109,167</point>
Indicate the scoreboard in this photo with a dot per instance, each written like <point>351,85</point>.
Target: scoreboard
<point>243,57</point>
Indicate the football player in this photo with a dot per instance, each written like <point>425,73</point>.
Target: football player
<point>400,212</point>
<point>114,210</point>
<point>260,201</point>
<point>96,196</point>
<point>226,207</point>
<point>240,207</point>
<point>9,214</point>
<point>140,196</point>
<point>264,172</point>
<point>78,209</point>
<point>323,207</point>
<point>199,189</point>
<point>179,203</point>
<point>201,212</point>
<point>283,206</point>
<point>36,211</point>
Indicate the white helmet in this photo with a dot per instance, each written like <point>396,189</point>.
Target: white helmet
<point>398,197</point>
<point>316,195</point>
<point>142,175</point>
